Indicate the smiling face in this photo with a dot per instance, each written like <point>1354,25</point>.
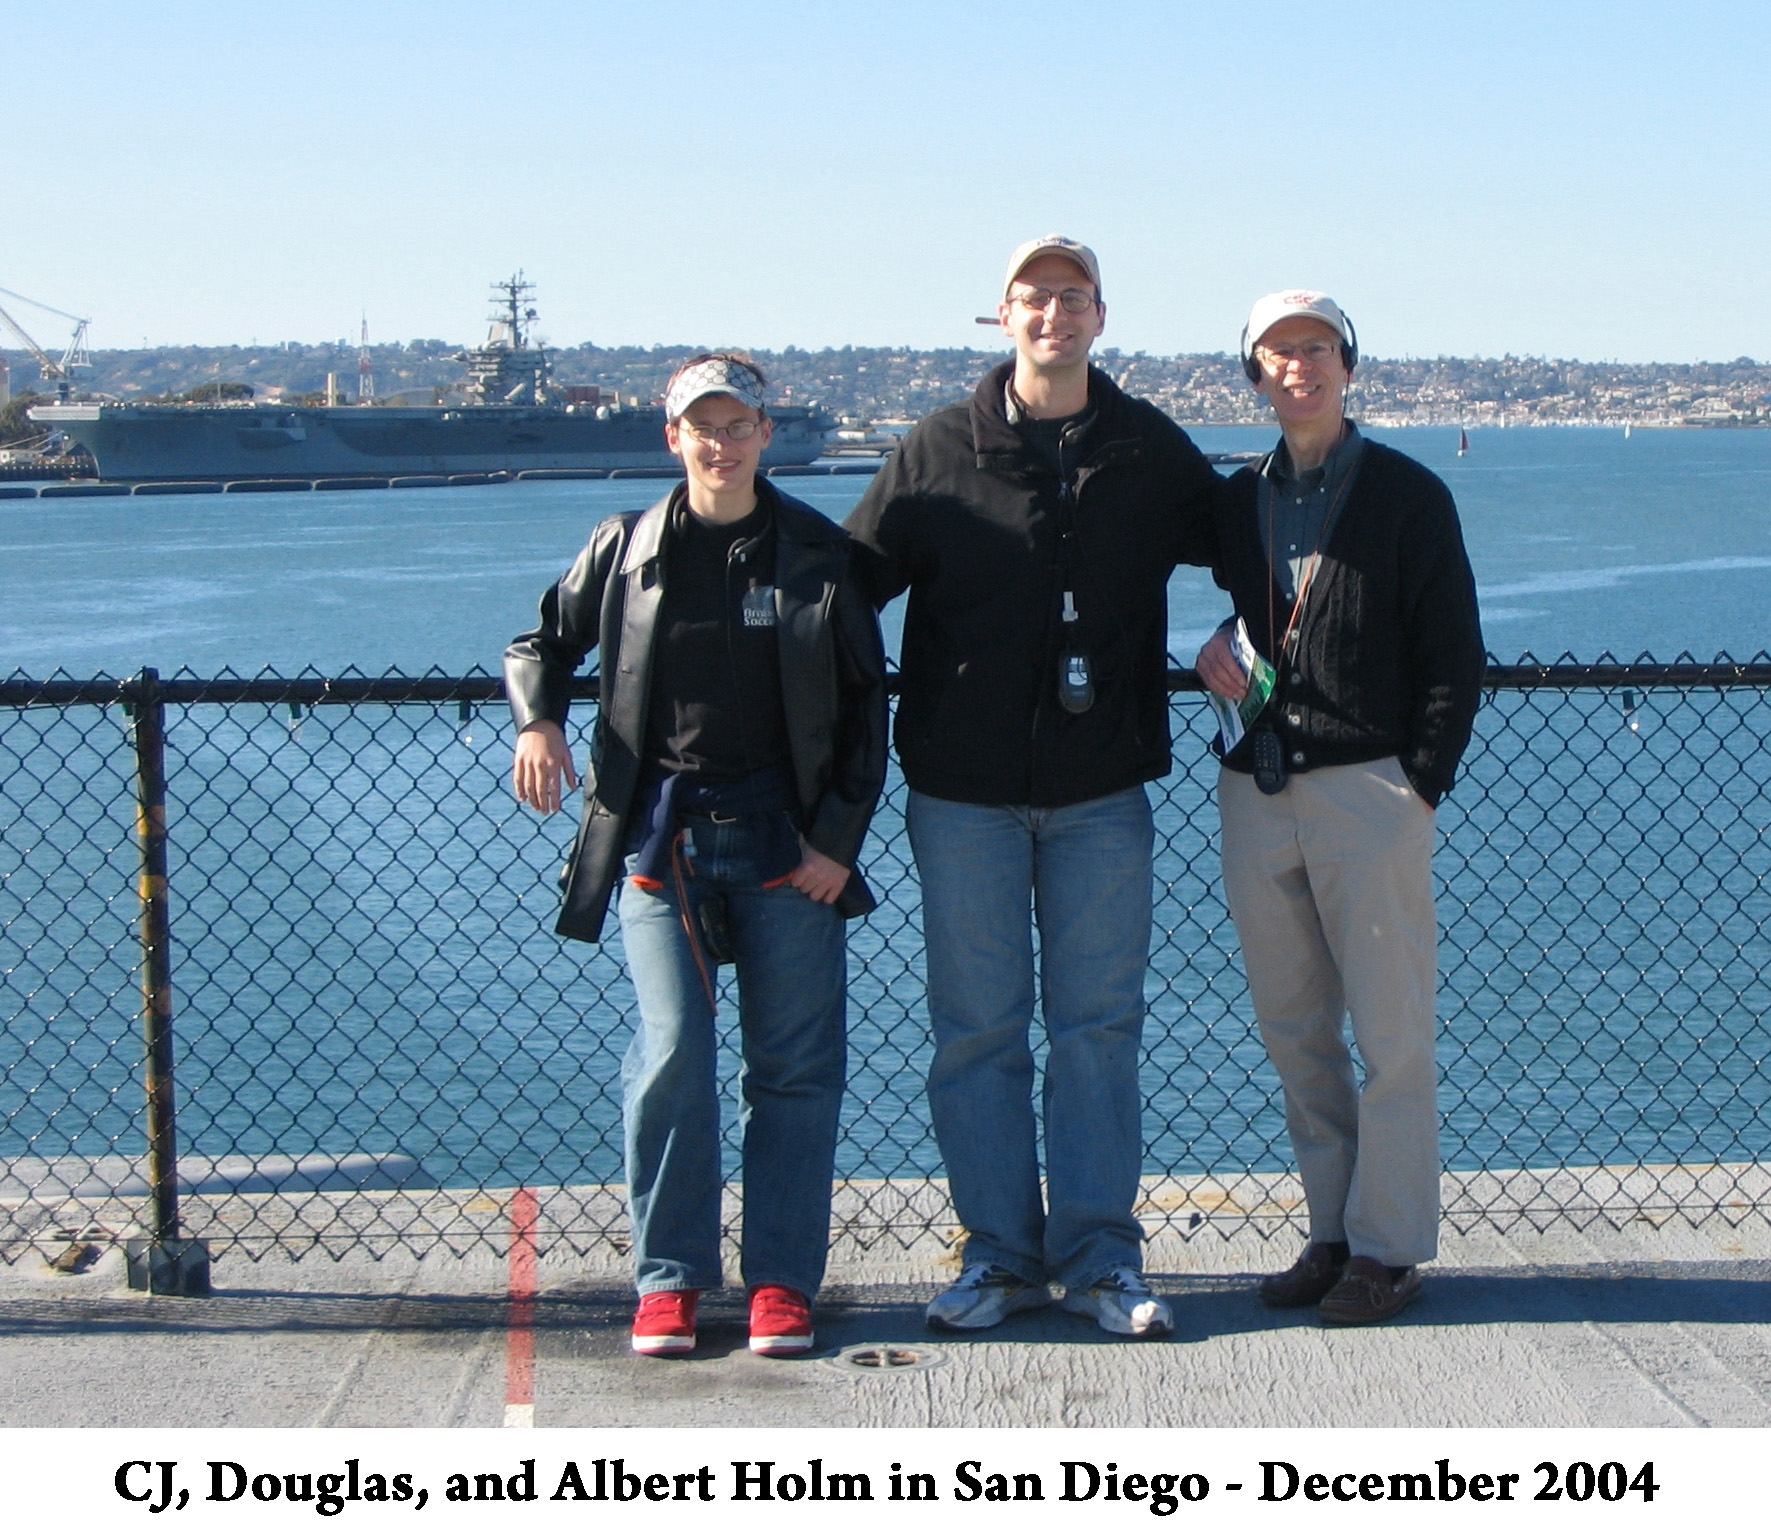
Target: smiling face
<point>714,463</point>
<point>1051,339</point>
<point>1302,372</point>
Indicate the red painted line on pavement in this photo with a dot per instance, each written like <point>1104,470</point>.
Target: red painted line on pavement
<point>519,1369</point>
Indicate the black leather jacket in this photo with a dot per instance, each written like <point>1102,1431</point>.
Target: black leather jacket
<point>832,685</point>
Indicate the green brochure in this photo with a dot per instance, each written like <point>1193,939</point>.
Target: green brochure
<point>1234,718</point>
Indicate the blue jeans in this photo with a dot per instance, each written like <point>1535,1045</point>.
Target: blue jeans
<point>1086,869</point>
<point>792,975</point>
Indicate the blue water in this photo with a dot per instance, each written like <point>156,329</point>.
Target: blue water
<point>1582,541</point>
<point>362,946</point>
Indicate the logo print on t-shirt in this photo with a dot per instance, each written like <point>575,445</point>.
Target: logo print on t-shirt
<point>759,608</point>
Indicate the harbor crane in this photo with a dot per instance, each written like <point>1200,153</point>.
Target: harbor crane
<point>74,356</point>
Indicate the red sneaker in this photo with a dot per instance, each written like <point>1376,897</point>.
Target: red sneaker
<point>664,1325</point>
<point>780,1322</point>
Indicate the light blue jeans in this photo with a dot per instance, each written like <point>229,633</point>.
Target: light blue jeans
<point>792,976</point>
<point>1085,871</point>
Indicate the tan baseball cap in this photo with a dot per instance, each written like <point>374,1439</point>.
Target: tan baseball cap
<point>1053,245</point>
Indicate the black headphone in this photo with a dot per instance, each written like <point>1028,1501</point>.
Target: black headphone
<point>1349,351</point>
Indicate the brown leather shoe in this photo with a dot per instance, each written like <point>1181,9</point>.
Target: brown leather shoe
<point>1308,1281</point>
<point>1367,1293</point>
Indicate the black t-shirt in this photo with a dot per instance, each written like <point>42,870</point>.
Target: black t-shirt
<point>715,706</point>
<point>1045,435</point>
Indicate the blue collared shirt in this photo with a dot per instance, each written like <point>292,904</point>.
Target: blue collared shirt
<point>1303,507</point>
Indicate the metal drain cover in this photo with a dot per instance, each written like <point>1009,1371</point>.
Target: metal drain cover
<point>879,1360</point>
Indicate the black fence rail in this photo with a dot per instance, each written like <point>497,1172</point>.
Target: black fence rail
<point>280,976</point>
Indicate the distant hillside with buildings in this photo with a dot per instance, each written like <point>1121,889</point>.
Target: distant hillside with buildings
<point>873,384</point>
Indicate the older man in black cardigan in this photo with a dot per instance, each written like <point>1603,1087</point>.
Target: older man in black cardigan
<point>1356,607</point>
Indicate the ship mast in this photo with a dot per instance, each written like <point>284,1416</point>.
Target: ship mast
<point>365,369</point>
<point>516,292</point>
<point>508,370</point>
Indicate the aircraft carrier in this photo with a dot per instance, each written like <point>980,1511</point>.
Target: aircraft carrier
<point>516,419</point>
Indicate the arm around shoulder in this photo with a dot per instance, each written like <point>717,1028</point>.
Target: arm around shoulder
<point>1198,493</point>
<point>883,523</point>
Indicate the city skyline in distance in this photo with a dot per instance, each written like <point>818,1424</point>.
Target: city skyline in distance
<point>1578,182</point>
<point>869,384</point>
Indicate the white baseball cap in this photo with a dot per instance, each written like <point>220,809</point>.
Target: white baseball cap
<point>1053,245</point>
<point>1270,309</point>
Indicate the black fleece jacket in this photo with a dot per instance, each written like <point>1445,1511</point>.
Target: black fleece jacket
<point>1390,658</point>
<point>968,516</point>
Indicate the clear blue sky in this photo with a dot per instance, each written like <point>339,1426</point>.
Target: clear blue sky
<point>1573,180</point>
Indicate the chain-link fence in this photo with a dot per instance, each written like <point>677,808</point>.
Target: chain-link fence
<point>316,1003</point>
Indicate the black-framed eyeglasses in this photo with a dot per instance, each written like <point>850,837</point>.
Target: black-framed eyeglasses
<point>1074,300</point>
<point>740,431</point>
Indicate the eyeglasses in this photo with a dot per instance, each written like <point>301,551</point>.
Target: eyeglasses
<point>737,432</point>
<point>1316,351</point>
<point>1074,300</point>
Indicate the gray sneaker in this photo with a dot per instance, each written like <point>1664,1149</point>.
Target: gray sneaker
<point>983,1296</point>
<point>1121,1302</point>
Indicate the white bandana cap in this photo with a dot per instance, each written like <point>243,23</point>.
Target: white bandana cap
<point>717,376</point>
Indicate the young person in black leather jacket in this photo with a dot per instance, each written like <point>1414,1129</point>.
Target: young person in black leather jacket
<point>736,760</point>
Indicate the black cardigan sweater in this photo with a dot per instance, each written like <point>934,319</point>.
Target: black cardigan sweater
<point>1390,657</point>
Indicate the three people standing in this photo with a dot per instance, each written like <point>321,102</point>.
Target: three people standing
<point>739,752</point>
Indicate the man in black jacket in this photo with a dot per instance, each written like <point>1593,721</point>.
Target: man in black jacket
<point>1035,530</point>
<point>1355,605</point>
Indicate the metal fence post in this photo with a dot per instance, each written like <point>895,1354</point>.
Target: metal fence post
<point>163,1262</point>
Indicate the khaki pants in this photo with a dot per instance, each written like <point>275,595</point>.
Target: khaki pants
<point>1330,884</point>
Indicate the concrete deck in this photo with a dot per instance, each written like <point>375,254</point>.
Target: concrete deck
<point>1654,1326</point>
